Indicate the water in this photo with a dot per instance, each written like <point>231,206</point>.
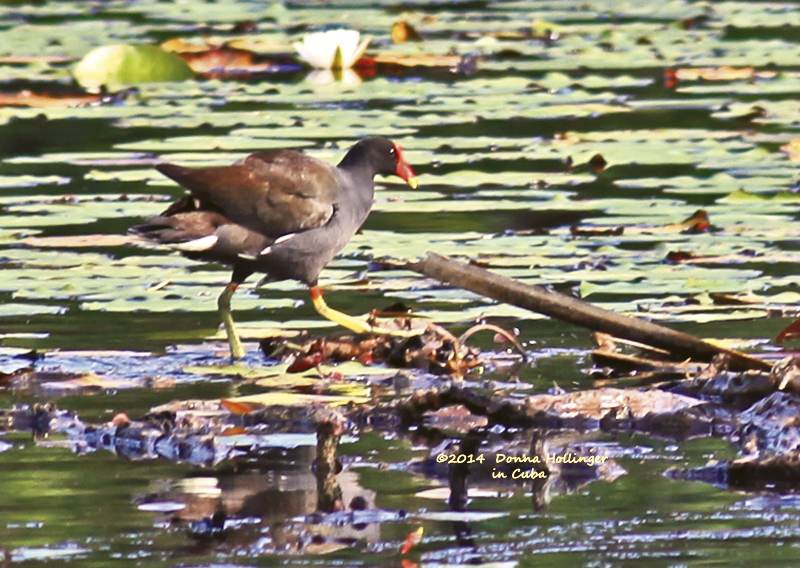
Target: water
<point>502,151</point>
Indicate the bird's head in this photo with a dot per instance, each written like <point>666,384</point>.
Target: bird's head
<point>381,156</point>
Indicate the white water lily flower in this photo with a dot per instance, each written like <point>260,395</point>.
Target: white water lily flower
<point>335,49</point>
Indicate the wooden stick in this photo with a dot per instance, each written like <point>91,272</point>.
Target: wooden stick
<point>566,308</point>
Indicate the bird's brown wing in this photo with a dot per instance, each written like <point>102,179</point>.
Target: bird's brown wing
<point>274,192</point>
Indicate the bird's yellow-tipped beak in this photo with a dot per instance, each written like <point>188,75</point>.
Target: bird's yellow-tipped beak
<point>404,169</point>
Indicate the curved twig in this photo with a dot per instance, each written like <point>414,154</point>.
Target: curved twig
<point>491,327</point>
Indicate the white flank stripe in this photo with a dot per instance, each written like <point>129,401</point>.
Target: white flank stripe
<point>284,238</point>
<point>278,241</point>
<point>198,245</point>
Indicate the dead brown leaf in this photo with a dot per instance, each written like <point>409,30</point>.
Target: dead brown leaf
<point>78,241</point>
<point>403,32</point>
<point>792,149</point>
<point>28,98</point>
<point>222,58</point>
<point>598,163</point>
<point>414,60</point>
<point>178,45</point>
<point>26,59</point>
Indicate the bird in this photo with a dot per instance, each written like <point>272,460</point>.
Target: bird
<point>277,212</point>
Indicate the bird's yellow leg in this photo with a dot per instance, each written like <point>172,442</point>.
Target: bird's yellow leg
<point>341,318</point>
<point>351,323</point>
<point>224,305</point>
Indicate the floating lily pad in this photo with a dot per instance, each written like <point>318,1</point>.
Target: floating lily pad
<point>115,66</point>
<point>16,309</point>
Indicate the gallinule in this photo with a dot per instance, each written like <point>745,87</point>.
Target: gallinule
<point>279,212</point>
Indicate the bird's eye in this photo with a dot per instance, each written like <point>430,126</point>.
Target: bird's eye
<point>392,151</point>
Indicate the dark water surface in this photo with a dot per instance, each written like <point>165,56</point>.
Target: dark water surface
<point>502,147</point>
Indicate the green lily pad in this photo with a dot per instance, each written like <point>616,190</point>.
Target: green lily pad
<point>115,66</point>
<point>15,309</point>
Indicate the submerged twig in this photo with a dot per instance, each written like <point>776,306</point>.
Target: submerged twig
<point>497,329</point>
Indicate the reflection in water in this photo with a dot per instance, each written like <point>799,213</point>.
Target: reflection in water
<point>278,504</point>
<point>269,509</point>
<point>328,76</point>
<point>537,461</point>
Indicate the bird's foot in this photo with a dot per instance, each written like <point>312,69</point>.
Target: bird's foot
<point>355,324</point>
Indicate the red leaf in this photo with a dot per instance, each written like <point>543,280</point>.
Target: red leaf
<point>697,223</point>
<point>305,362</point>
<point>411,540</point>
<point>674,257</point>
<point>120,418</point>
<point>238,407</point>
<point>789,332</point>
<point>670,78</point>
<point>598,163</point>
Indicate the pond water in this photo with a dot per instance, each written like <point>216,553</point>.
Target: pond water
<point>691,105</point>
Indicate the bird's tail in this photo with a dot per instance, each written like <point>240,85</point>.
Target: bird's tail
<point>157,231</point>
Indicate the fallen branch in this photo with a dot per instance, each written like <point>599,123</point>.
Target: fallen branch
<point>566,308</point>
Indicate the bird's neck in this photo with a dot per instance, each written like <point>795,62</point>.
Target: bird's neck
<point>358,178</point>
<point>362,195</point>
<point>358,186</point>
<point>354,161</point>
